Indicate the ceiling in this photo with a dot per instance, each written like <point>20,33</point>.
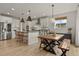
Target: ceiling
<point>37,9</point>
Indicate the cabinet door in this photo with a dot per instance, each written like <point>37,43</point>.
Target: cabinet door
<point>33,37</point>
<point>9,35</point>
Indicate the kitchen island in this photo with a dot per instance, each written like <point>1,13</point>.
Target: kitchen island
<point>33,37</point>
<point>30,37</point>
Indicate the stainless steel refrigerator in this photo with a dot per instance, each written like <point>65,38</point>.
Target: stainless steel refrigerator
<point>1,30</point>
<point>9,32</point>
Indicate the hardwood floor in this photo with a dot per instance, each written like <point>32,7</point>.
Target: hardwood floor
<point>13,48</point>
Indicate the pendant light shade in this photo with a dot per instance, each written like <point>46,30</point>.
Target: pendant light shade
<point>29,18</point>
<point>52,9</point>
<point>22,20</point>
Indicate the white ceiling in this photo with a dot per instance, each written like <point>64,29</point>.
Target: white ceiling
<point>37,9</point>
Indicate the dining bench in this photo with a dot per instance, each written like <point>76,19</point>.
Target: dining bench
<point>64,46</point>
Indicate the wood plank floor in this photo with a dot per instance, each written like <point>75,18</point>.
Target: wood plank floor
<point>13,48</point>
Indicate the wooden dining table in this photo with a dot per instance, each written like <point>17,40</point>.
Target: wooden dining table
<point>50,41</point>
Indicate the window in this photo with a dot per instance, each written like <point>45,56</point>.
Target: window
<point>60,22</point>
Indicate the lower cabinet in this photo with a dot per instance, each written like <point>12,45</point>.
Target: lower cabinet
<point>9,35</point>
<point>1,35</point>
<point>33,37</point>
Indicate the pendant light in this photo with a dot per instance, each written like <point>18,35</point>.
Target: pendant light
<point>52,10</point>
<point>29,17</point>
<point>22,20</point>
<point>22,23</point>
<point>52,14</point>
<point>53,20</point>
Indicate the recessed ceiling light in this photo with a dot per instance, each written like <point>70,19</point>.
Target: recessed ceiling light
<point>27,13</point>
<point>12,9</point>
<point>8,13</point>
<point>34,16</point>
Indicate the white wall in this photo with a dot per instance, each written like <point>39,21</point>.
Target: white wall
<point>77,28</point>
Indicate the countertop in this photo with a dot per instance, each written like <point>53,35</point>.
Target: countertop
<point>34,31</point>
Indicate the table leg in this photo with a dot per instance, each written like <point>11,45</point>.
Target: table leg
<point>43,42</point>
<point>64,53</point>
<point>51,45</point>
<point>48,44</point>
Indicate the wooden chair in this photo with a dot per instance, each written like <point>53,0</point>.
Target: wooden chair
<point>21,36</point>
<point>64,46</point>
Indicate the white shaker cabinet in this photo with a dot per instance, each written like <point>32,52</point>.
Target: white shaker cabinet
<point>33,37</point>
